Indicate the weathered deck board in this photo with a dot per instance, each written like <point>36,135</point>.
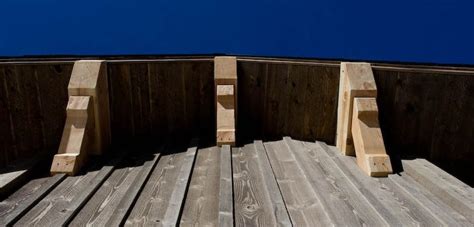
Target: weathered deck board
<point>226,202</point>
<point>110,204</point>
<point>458,196</point>
<point>340,211</point>
<point>380,196</point>
<point>17,173</point>
<point>209,197</point>
<point>17,204</point>
<point>363,197</point>
<point>60,206</point>
<point>279,183</point>
<point>161,200</point>
<point>302,203</point>
<point>202,201</point>
<point>255,200</point>
<point>447,215</point>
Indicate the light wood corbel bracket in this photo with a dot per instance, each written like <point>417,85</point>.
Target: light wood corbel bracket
<point>358,130</point>
<point>87,127</point>
<point>225,79</point>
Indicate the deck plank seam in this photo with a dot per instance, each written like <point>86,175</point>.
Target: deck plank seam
<point>17,217</point>
<point>132,204</point>
<point>339,165</point>
<point>278,185</point>
<point>183,201</point>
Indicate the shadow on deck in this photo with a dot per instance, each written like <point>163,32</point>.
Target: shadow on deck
<point>281,182</point>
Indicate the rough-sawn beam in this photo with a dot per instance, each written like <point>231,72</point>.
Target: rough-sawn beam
<point>87,127</point>
<point>225,78</point>
<point>358,129</point>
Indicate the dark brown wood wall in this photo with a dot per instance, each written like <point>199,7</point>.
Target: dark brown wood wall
<point>162,98</point>
<point>279,98</point>
<point>33,99</point>
<point>429,114</point>
<point>146,98</point>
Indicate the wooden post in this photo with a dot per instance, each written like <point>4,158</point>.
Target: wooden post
<point>225,78</point>
<point>357,120</point>
<point>87,128</point>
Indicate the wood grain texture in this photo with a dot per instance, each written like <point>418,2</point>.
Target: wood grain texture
<point>447,215</point>
<point>161,200</point>
<point>458,196</point>
<point>302,203</point>
<point>425,114</point>
<point>226,202</point>
<point>31,109</point>
<point>425,111</point>
<point>209,200</point>
<point>19,172</point>
<point>78,136</point>
<point>20,202</point>
<point>202,200</point>
<point>341,212</point>
<point>257,201</point>
<point>364,211</point>
<point>60,206</point>
<point>161,98</point>
<point>367,138</point>
<point>279,99</point>
<point>111,203</point>
<point>394,209</point>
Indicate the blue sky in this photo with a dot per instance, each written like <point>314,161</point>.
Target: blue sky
<point>437,31</point>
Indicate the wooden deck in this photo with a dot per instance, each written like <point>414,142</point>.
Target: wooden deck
<point>285,182</point>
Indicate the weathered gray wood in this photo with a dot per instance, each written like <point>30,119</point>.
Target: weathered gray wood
<point>253,202</point>
<point>340,211</point>
<point>366,194</point>
<point>63,203</point>
<point>202,200</point>
<point>17,173</point>
<point>17,204</point>
<point>447,215</point>
<point>408,203</point>
<point>397,202</point>
<point>112,201</point>
<point>458,197</point>
<point>226,206</point>
<point>453,181</point>
<point>302,203</point>
<point>282,216</point>
<point>161,200</point>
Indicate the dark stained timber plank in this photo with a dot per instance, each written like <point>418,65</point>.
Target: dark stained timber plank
<point>459,197</point>
<point>17,204</point>
<point>109,206</point>
<point>202,201</point>
<point>161,200</point>
<point>367,208</point>
<point>447,215</point>
<point>328,190</point>
<point>304,207</point>
<point>63,203</point>
<point>140,98</point>
<point>255,202</point>
<point>121,102</point>
<point>226,206</point>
